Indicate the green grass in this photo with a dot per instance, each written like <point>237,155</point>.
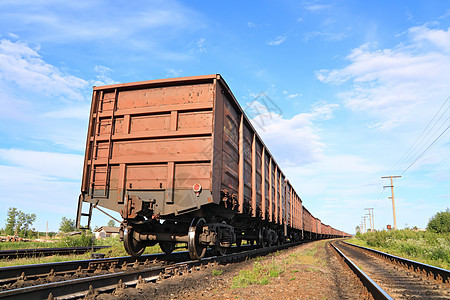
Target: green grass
<point>83,240</point>
<point>116,250</point>
<point>27,245</point>
<point>260,274</point>
<point>304,257</point>
<point>427,247</point>
<point>216,272</point>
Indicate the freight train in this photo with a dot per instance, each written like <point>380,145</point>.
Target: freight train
<point>181,162</point>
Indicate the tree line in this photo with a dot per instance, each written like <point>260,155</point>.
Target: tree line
<point>20,224</point>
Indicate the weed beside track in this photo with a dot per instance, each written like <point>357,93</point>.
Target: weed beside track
<point>427,247</point>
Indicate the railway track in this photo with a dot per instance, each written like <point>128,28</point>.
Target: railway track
<point>23,276</point>
<point>391,277</point>
<point>17,253</point>
<point>76,279</point>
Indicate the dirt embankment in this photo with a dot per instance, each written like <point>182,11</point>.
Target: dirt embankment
<point>309,271</point>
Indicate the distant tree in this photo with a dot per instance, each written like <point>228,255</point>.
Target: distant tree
<point>25,221</point>
<point>358,231</point>
<point>111,223</point>
<point>67,225</point>
<point>11,220</point>
<point>19,222</point>
<point>440,222</point>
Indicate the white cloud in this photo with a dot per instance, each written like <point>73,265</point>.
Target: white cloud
<point>295,139</point>
<point>12,108</point>
<point>22,65</point>
<point>425,37</point>
<point>13,35</point>
<point>315,7</point>
<point>174,73</point>
<point>70,112</point>
<point>102,77</point>
<point>277,41</point>
<point>75,22</point>
<point>291,96</point>
<point>327,36</point>
<point>201,45</point>
<point>395,85</point>
<point>44,165</point>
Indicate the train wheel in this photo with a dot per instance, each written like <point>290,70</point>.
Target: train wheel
<point>196,250</point>
<point>167,247</point>
<point>273,239</point>
<point>133,247</point>
<point>262,240</point>
<point>220,251</point>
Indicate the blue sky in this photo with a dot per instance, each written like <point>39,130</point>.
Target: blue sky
<point>354,83</point>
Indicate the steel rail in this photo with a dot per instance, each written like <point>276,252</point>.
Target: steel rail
<point>8,274</point>
<point>80,287</point>
<point>376,291</point>
<point>436,272</point>
<point>16,253</point>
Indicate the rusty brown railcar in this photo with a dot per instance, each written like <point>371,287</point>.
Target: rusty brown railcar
<point>181,162</point>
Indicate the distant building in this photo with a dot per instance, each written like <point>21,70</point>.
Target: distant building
<point>106,231</point>
<point>419,229</point>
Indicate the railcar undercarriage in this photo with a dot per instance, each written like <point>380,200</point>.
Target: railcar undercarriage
<point>201,230</point>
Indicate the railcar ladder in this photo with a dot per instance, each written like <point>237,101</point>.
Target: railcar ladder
<point>102,183</point>
<point>81,214</point>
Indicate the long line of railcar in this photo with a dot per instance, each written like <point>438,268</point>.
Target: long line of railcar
<point>180,161</point>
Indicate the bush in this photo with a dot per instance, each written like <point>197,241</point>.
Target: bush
<point>426,246</point>
<point>83,240</point>
<point>440,222</point>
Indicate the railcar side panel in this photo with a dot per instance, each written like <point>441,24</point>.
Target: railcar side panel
<point>150,141</point>
<point>230,162</point>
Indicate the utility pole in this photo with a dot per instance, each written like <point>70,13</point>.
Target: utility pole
<point>365,228</point>
<point>373,220</point>
<point>392,193</point>
<point>371,223</point>
<point>46,232</point>
<point>370,218</point>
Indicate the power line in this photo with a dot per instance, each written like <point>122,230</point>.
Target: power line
<point>380,194</point>
<point>429,147</point>
<point>414,145</point>
<point>409,154</point>
<point>414,156</point>
<point>439,163</point>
